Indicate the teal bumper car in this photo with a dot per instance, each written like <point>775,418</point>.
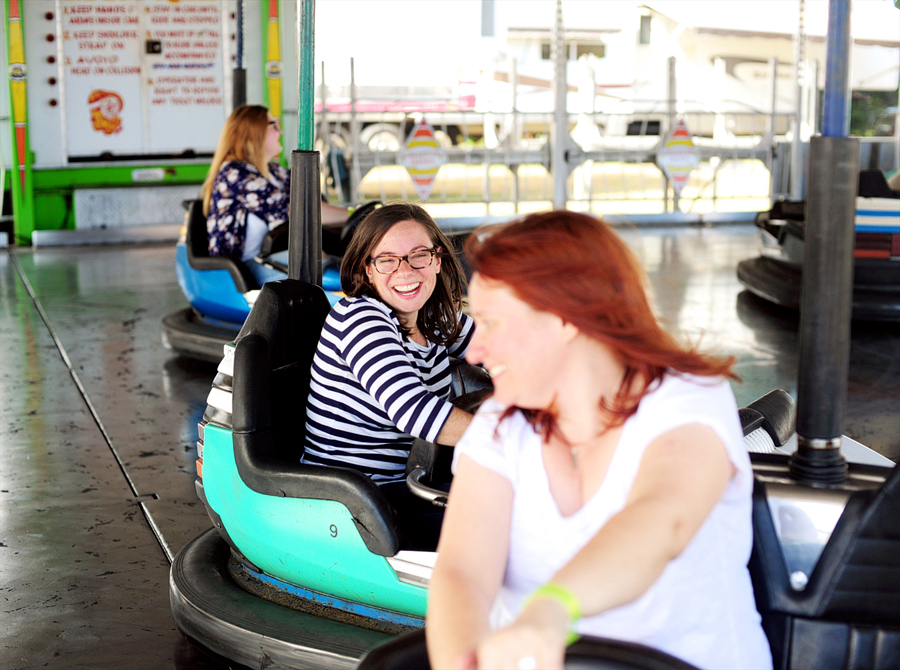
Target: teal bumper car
<point>294,542</point>
<point>305,566</point>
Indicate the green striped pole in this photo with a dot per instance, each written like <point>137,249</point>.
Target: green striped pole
<point>306,106</point>
<point>305,238</point>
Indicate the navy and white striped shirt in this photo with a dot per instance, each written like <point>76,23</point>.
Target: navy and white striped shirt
<point>371,392</point>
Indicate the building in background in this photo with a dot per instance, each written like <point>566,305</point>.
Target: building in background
<point>115,108</point>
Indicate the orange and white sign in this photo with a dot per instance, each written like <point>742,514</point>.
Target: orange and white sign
<point>678,157</point>
<point>101,45</point>
<point>106,110</point>
<point>422,157</point>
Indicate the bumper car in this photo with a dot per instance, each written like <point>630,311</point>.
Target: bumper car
<point>305,566</point>
<point>776,274</point>
<point>221,290</point>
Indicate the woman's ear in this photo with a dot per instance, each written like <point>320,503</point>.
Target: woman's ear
<point>437,260</point>
<point>570,330</point>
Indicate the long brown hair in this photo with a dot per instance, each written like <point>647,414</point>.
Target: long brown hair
<point>438,320</point>
<point>243,138</point>
<point>574,266</point>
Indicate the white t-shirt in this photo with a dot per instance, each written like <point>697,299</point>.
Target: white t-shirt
<point>701,608</point>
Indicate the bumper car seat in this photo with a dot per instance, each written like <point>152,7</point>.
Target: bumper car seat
<point>273,356</point>
<point>197,241</point>
<point>848,614</point>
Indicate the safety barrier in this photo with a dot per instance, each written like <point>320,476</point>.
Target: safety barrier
<point>502,161</point>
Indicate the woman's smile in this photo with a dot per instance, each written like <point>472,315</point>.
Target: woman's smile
<point>407,289</point>
<point>497,370</point>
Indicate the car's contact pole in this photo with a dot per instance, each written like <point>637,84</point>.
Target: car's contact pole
<point>239,76</point>
<point>826,296</point>
<point>305,240</point>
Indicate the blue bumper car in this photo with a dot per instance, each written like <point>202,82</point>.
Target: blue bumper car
<point>221,290</point>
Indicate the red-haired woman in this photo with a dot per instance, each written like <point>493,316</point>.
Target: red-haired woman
<point>605,488</point>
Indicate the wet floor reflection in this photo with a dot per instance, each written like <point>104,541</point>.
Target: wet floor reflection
<point>82,467</point>
<point>84,575</point>
<point>697,294</point>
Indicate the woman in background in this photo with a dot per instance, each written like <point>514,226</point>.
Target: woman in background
<point>247,192</point>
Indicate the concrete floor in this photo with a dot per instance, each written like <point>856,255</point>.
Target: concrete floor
<point>98,429</point>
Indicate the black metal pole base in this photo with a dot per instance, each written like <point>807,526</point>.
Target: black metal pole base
<point>825,307</point>
<point>818,466</point>
<point>239,92</point>
<point>305,232</point>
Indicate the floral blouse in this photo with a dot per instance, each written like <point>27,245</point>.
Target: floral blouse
<point>240,189</point>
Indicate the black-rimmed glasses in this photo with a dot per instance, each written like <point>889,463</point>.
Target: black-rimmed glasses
<point>274,123</point>
<point>417,260</point>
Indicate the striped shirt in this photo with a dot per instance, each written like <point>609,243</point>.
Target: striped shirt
<point>371,391</point>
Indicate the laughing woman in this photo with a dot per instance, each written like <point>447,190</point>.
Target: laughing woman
<point>605,489</point>
<point>381,372</point>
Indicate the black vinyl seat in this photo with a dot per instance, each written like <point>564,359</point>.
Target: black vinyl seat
<point>848,615</point>
<point>272,360</point>
<point>874,184</point>
<point>197,240</point>
<point>273,356</point>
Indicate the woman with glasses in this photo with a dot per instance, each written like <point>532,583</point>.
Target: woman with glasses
<point>247,192</point>
<point>381,373</point>
<point>605,488</point>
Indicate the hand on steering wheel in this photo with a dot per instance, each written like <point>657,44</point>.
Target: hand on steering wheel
<point>536,640</point>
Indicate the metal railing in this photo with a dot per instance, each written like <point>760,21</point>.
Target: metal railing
<point>502,160</point>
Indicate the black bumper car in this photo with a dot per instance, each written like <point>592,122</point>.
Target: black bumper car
<point>776,274</point>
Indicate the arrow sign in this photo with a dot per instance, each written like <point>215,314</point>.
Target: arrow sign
<point>422,157</point>
<point>678,157</point>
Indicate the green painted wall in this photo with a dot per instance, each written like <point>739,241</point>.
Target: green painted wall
<point>54,189</point>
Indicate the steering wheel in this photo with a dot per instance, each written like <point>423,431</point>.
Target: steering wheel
<point>353,222</point>
<point>471,386</point>
<point>407,652</point>
<point>275,240</point>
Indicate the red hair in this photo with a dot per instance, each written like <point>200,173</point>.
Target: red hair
<point>574,266</point>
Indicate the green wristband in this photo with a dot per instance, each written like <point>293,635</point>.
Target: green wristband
<point>565,597</point>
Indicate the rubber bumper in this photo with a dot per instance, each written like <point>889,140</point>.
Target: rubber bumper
<point>214,612</point>
<point>185,332</point>
<point>876,288</point>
